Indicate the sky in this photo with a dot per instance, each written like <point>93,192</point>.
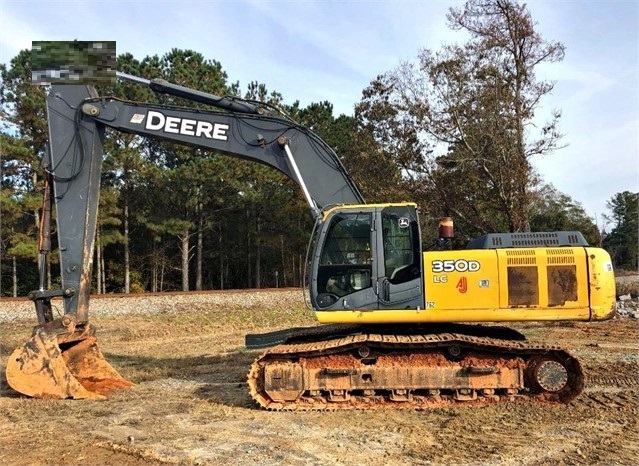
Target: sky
<point>312,51</point>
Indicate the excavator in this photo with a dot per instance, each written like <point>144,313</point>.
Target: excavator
<point>399,326</point>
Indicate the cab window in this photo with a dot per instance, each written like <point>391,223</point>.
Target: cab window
<point>345,262</point>
<point>400,237</point>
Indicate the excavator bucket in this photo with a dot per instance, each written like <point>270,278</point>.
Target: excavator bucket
<point>43,368</point>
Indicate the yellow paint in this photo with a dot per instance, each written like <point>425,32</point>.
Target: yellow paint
<point>445,289</point>
<point>448,315</point>
<point>472,286</point>
<point>602,284</point>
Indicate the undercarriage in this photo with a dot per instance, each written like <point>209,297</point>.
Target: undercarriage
<point>355,367</point>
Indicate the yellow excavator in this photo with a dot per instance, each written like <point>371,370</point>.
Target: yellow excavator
<point>401,327</point>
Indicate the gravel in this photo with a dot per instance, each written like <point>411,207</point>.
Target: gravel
<point>106,305</point>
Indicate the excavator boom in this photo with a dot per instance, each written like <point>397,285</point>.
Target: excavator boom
<point>77,121</point>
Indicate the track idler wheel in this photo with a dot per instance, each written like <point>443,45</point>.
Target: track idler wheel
<point>551,375</point>
<point>560,378</point>
<point>46,367</point>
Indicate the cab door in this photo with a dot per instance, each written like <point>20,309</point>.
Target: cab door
<point>399,267</point>
<point>344,261</point>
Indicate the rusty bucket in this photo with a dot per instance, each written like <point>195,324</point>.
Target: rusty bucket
<point>45,367</point>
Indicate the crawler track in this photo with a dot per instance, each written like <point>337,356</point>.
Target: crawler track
<point>356,368</point>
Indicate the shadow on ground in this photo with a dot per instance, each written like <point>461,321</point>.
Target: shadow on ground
<point>218,378</point>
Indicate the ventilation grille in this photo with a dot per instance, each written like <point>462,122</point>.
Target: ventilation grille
<point>521,257</point>
<point>516,252</point>
<point>528,240</point>
<point>559,257</point>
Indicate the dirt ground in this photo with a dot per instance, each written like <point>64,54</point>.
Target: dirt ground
<point>190,405</point>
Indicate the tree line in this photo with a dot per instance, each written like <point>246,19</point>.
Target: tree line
<point>451,130</point>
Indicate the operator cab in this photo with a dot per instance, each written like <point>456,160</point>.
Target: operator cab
<point>367,257</point>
